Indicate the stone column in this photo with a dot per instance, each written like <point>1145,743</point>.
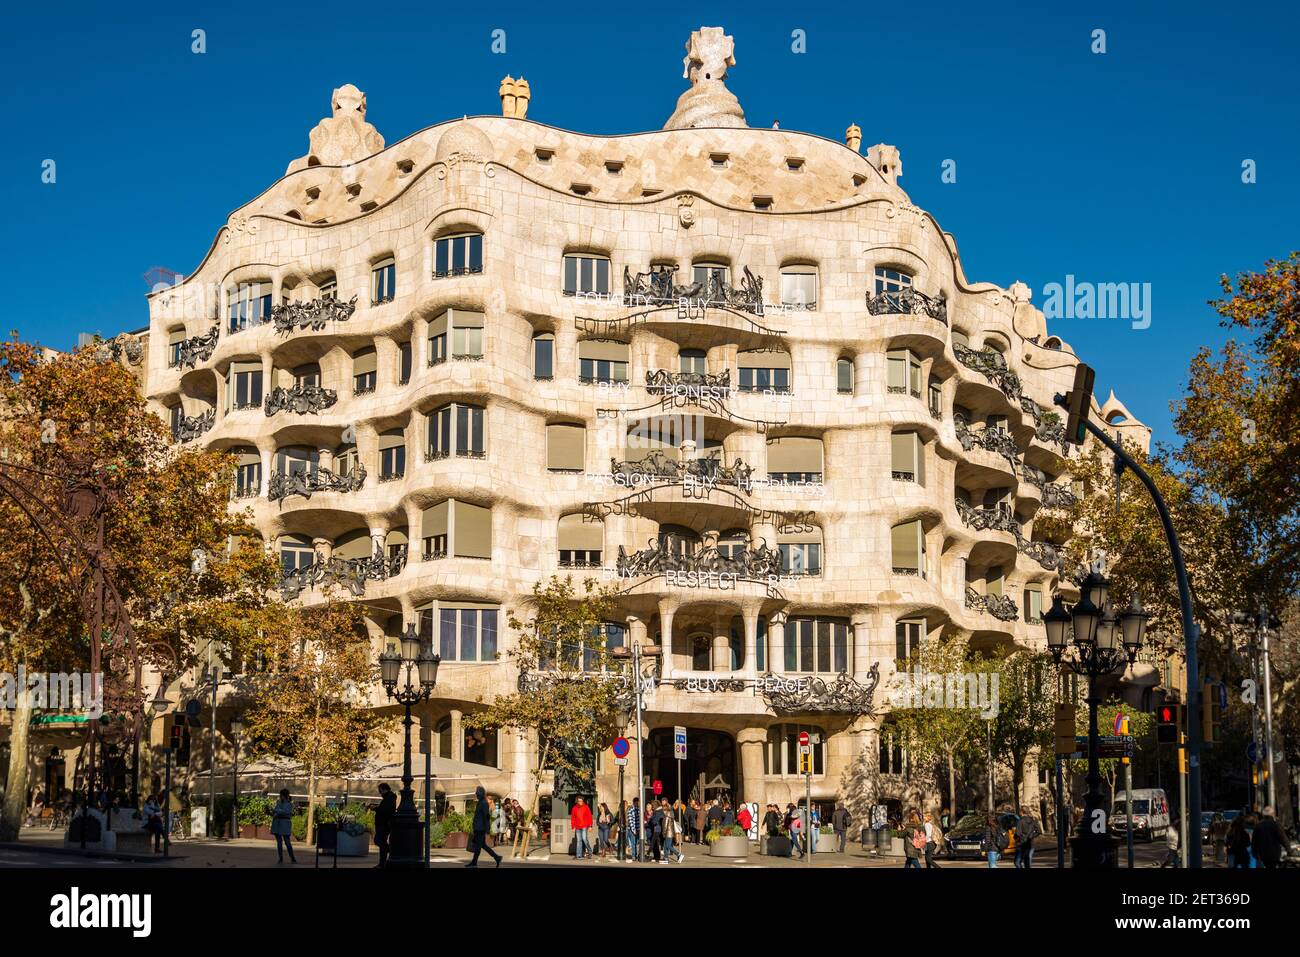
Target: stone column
<point>667,608</point>
<point>750,665</point>
<point>324,547</point>
<point>457,736</point>
<point>377,536</point>
<point>861,656</point>
<point>751,742</point>
<point>722,643</point>
<point>776,643</point>
<point>267,452</point>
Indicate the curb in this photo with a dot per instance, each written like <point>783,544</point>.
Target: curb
<point>76,851</point>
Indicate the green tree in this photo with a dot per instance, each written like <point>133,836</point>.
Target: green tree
<point>1023,725</point>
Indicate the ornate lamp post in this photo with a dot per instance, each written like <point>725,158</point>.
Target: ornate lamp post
<point>636,652</point>
<point>1103,643</point>
<point>236,729</point>
<point>416,670</point>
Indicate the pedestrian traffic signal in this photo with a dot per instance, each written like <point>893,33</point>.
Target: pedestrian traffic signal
<point>1211,713</point>
<point>1065,729</point>
<point>177,737</point>
<point>1079,404</point>
<point>1168,721</point>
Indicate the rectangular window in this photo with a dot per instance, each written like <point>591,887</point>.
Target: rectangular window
<point>817,645</point>
<point>801,558</point>
<point>566,448</point>
<point>602,361</point>
<point>764,372</point>
<point>907,640</point>
<point>403,363</point>
<point>907,454</point>
<point>891,280</point>
<point>844,377</point>
<point>464,634</point>
<point>586,274</point>
<point>248,479</point>
<point>392,463</point>
<point>383,282</point>
<point>936,400</point>
<point>908,543</point>
<point>799,289</point>
<point>249,305</point>
<point>544,357</point>
<point>1033,606</point>
<point>458,256</point>
<point>246,389</point>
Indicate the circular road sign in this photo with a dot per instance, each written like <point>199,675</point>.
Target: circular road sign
<point>803,739</point>
<point>620,747</point>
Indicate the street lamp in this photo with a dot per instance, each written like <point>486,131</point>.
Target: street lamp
<point>416,670</point>
<point>1103,643</point>
<point>638,686</point>
<point>159,706</point>
<point>236,729</point>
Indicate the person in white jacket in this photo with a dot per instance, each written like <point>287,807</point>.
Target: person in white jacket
<point>1172,856</point>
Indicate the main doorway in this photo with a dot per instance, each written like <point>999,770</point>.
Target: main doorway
<point>708,771</point>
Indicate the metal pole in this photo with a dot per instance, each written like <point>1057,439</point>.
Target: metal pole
<point>1128,802</point>
<point>807,811</point>
<point>234,793</point>
<point>622,817</point>
<point>1182,801</point>
<point>640,769</point>
<point>167,807</point>
<point>1268,711</point>
<point>428,791</point>
<point>1191,632</point>
<point>1061,823</point>
<point>212,750</point>
<point>989,744</point>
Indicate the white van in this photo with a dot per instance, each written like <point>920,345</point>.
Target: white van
<point>1150,813</point>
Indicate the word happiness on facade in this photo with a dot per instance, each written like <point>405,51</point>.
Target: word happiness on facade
<point>64,692</point>
<point>975,691</point>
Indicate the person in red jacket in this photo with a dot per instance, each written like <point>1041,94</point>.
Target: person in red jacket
<point>580,821</point>
<point>744,818</point>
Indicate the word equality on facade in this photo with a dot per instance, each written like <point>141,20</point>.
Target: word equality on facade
<point>77,691</point>
<point>976,691</point>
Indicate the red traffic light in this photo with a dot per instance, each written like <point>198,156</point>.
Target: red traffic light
<point>1166,715</point>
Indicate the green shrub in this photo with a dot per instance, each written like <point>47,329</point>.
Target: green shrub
<point>454,821</point>
<point>254,810</point>
<point>437,835</point>
<point>727,830</point>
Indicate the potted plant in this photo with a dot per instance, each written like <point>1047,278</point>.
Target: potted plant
<point>728,841</point>
<point>896,843</point>
<point>457,828</point>
<point>255,816</point>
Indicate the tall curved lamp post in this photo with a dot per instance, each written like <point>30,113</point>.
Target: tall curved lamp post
<point>1103,643</point>
<point>408,678</point>
<point>236,729</point>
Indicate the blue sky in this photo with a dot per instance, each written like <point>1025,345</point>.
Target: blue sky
<point>1119,167</point>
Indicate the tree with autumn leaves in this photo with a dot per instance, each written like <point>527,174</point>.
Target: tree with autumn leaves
<point>78,420</point>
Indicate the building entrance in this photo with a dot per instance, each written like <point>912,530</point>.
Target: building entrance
<point>709,770</point>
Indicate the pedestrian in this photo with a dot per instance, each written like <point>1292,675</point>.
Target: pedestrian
<point>1218,835</point>
<point>933,839</point>
<point>482,821</point>
<point>1268,843</point>
<point>657,814</point>
<point>728,814</point>
<point>840,821</point>
<point>1026,830</point>
<point>634,829</point>
<point>37,807</point>
<point>795,825</point>
<point>282,826</point>
<point>580,822</point>
<point>385,811</point>
<point>714,817</point>
<point>913,841</point>
<point>701,821</point>
<point>994,840</point>
<point>152,814</point>
<point>671,832</point>
<point>508,814</point>
<point>772,821</point>
<point>745,818</point>
<point>1172,857</point>
<point>498,821</point>
<point>945,820</point>
<point>604,821</point>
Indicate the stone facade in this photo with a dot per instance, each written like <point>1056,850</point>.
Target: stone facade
<point>816,428</point>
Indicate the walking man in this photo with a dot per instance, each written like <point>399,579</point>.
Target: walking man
<point>385,811</point>
<point>580,822</point>
<point>840,821</point>
<point>482,822</point>
<point>1268,842</point>
<point>1026,830</point>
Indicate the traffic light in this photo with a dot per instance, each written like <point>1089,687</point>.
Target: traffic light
<point>1079,404</point>
<point>1168,721</point>
<point>1064,729</point>
<point>1211,713</point>
<point>177,738</point>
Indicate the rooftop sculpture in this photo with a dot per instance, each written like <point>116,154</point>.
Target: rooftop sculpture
<point>708,102</point>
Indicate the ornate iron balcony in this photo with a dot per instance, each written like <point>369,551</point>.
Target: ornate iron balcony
<point>457,271</point>
<point>1055,494</point>
<point>907,302</point>
<point>1000,607</point>
<point>658,466</point>
<point>307,484</point>
<point>314,315</point>
<point>899,475</point>
<point>993,366</point>
<point>994,440</point>
<point>300,399</point>
<point>123,345</point>
<point>351,573</point>
<point>1045,553</point>
<point>1048,426</point>
<point>190,427</point>
<point>240,492</point>
<point>658,287</point>
<point>998,519</point>
<point>197,349</point>
<point>661,381</point>
<point>914,572</point>
<point>433,554</point>
<point>660,557</point>
<point>435,455</point>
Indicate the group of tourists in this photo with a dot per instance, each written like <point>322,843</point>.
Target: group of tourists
<point>1253,838</point>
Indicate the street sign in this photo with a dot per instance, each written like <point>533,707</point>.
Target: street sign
<point>803,739</point>
<point>658,788</point>
<point>1108,746</point>
<point>679,743</point>
<point>1252,752</point>
<point>620,747</point>
<point>1121,722</point>
<point>620,762</point>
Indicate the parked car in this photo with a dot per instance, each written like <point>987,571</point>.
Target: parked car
<point>1150,814</point>
<point>965,836</point>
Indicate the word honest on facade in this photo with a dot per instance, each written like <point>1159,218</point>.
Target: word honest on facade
<point>965,691</point>
<point>75,692</point>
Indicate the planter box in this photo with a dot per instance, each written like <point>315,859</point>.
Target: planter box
<point>777,846</point>
<point>896,847</point>
<point>350,846</point>
<point>730,847</point>
<point>256,832</point>
<point>456,839</point>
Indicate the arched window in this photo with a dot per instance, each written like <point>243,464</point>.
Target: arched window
<point>458,255</point>
<point>844,376</point>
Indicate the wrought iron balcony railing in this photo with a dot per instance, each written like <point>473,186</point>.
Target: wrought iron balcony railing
<point>993,366</point>
<point>308,484</point>
<point>351,573</point>
<point>660,557</point>
<point>658,287</point>
<point>1000,607</point>
<point>992,439</point>
<point>197,349</point>
<point>1048,426</point>
<point>907,302</point>
<point>300,399</point>
<point>436,455</point>
<point>661,382</point>
<point>657,466</point>
<point>1055,494</point>
<point>1045,553</point>
<point>999,519</point>
<point>457,271</point>
<point>315,315</point>
<point>190,427</point>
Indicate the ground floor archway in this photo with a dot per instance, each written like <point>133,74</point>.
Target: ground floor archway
<point>710,769</point>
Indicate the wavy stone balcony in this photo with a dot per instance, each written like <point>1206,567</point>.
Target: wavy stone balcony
<point>1055,494</point>
<point>291,317</point>
<point>1001,607</point>
<point>658,467</point>
<point>993,366</point>
<point>308,484</point>
<point>351,573</point>
<point>907,302</point>
<point>300,400</point>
